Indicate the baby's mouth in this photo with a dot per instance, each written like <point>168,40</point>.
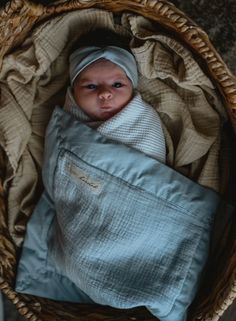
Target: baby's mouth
<point>106,107</point>
<point>107,112</point>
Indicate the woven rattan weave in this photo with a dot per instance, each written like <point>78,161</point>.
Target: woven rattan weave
<point>17,19</point>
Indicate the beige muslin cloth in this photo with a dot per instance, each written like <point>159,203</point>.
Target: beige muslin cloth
<point>34,79</point>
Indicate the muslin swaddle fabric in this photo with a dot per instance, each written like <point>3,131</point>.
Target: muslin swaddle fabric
<point>124,229</point>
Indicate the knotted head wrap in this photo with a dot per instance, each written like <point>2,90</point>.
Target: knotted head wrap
<point>83,57</point>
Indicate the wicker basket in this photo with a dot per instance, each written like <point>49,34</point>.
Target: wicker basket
<point>219,290</point>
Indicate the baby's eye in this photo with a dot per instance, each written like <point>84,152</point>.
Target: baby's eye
<point>117,84</point>
<point>91,86</point>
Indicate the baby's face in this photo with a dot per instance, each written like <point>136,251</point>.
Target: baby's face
<point>102,89</point>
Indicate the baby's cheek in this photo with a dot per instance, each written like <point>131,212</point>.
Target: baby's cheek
<point>128,96</point>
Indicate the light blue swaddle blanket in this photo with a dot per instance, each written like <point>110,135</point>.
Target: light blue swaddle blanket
<point>114,226</point>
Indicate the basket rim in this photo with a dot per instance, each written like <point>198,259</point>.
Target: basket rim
<point>19,17</point>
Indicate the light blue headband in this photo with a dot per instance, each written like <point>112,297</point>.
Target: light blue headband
<point>83,57</point>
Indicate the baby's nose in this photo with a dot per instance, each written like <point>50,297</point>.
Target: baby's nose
<point>105,93</point>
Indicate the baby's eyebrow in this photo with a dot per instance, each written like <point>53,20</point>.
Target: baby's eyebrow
<point>85,80</point>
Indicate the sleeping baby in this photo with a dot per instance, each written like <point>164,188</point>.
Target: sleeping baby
<point>103,95</point>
